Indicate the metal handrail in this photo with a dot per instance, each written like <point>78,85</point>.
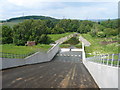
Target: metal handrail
<point>106,59</point>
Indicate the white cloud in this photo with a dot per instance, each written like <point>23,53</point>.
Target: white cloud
<point>101,11</point>
<point>13,8</point>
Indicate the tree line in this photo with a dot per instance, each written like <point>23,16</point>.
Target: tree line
<point>38,30</point>
<point>105,28</point>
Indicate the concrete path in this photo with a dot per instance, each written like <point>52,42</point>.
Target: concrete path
<point>66,70</point>
<point>86,43</point>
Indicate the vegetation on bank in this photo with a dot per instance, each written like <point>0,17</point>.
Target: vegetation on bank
<point>101,45</point>
<point>13,49</point>
<point>102,35</point>
<point>55,37</point>
<point>74,41</point>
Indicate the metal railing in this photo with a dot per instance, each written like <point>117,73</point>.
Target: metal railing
<point>10,55</point>
<point>107,59</point>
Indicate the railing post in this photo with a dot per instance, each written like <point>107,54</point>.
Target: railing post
<point>108,59</point>
<point>103,59</point>
<point>99,59</point>
<point>118,60</point>
<point>112,59</point>
<point>83,52</point>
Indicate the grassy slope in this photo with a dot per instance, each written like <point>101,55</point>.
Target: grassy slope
<point>10,48</point>
<point>55,37</point>
<point>71,42</point>
<point>96,47</point>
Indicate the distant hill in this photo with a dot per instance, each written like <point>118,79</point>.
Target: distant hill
<point>19,19</point>
<point>99,20</point>
<point>13,21</point>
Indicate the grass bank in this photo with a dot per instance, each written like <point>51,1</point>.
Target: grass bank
<point>98,47</point>
<point>55,37</point>
<point>74,41</point>
<point>10,48</point>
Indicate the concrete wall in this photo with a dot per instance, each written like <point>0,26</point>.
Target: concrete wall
<point>38,57</point>
<point>105,76</point>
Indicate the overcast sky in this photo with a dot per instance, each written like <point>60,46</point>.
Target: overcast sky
<point>70,9</point>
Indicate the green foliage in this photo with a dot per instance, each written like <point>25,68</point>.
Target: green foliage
<point>31,17</point>
<point>93,32</point>
<point>111,32</point>
<point>72,41</point>
<point>30,30</point>
<point>105,29</point>
<point>65,45</point>
<point>13,49</point>
<point>110,23</point>
<point>98,48</point>
<point>7,35</point>
<point>44,39</point>
<point>101,34</point>
<point>55,37</point>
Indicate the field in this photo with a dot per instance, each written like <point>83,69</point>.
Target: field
<point>10,50</point>
<point>101,45</point>
<point>55,37</point>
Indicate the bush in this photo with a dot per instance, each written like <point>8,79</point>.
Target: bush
<point>31,30</point>
<point>7,35</point>
<point>111,32</point>
<point>101,34</point>
<point>44,39</point>
<point>72,41</point>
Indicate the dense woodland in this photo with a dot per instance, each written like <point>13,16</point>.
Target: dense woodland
<point>38,30</point>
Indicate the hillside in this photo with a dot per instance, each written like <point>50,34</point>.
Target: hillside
<point>19,19</point>
<point>13,21</point>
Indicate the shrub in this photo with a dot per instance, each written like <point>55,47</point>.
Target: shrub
<point>101,34</point>
<point>7,35</point>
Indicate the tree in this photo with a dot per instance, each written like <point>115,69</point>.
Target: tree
<point>44,39</point>
<point>30,30</point>
<point>101,34</point>
<point>7,35</point>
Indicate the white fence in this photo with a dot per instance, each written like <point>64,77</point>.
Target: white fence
<point>104,74</point>
<point>38,57</point>
<point>106,59</point>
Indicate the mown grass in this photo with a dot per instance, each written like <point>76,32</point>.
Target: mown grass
<point>10,48</point>
<point>98,48</point>
<point>55,37</point>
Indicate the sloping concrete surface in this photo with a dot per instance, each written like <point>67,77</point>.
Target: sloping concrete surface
<point>61,72</point>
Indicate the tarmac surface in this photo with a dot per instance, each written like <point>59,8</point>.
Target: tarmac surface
<point>66,70</point>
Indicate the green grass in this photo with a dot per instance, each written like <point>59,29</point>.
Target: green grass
<point>71,42</point>
<point>78,45</point>
<point>13,51</point>
<point>96,47</point>
<point>55,37</point>
<point>65,45</point>
<point>10,48</point>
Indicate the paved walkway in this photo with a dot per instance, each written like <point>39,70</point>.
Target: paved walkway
<point>62,72</point>
<point>87,43</point>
